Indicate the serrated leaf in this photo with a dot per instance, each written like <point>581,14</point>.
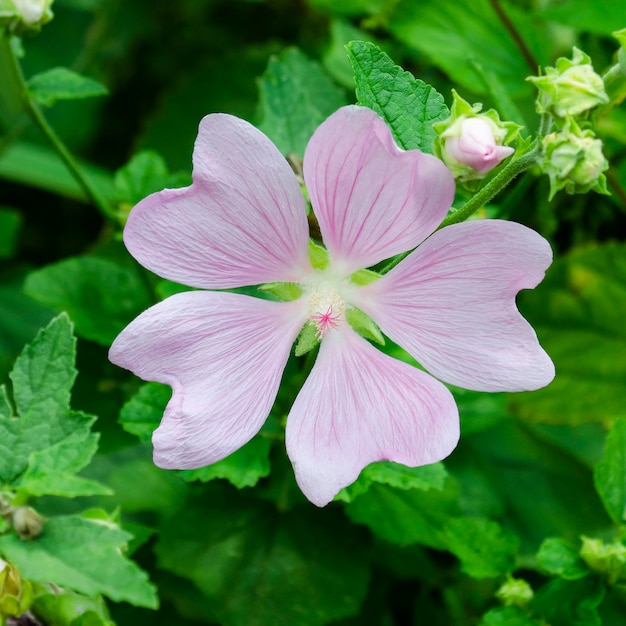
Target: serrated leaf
<point>485,549</point>
<point>101,295</point>
<point>60,83</point>
<point>296,96</point>
<point>84,556</point>
<point>610,472</point>
<point>42,377</point>
<point>254,563</point>
<point>407,104</point>
<point>426,477</point>
<point>561,558</point>
<point>51,471</point>
<point>578,312</point>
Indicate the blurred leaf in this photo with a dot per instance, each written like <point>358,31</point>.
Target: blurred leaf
<point>42,377</point>
<point>386,472</point>
<point>578,312</point>
<point>83,555</point>
<point>351,8</point>
<point>61,83</point>
<point>408,105</point>
<point>101,295</point>
<point>610,472</point>
<point>570,603</point>
<point>485,549</point>
<point>405,517</point>
<point>10,223</point>
<point>142,413</point>
<point>257,566</point>
<point>508,616</point>
<point>296,96</point>
<point>40,166</point>
<point>600,18</point>
<point>144,174</point>
<point>456,35</point>
<point>335,59</point>
<point>561,558</point>
<point>65,608</point>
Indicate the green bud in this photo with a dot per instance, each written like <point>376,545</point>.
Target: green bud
<point>574,161</point>
<point>570,88</point>
<point>16,594</point>
<point>515,592</point>
<point>472,143</point>
<point>608,559</point>
<point>22,15</point>
<point>27,523</point>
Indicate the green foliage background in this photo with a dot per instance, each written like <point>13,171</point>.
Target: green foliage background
<point>124,84</point>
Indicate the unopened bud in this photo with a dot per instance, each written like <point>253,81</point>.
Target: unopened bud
<point>574,161</point>
<point>471,143</point>
<point>27,523</point>
<point>515,592</point>
<point>16,594</point>
<point>23,15</point>
<point>608,559</point>
<point>570,88</point>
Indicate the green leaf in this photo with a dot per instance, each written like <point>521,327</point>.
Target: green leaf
<point>257,566</point>
<point>296,96</point>
<point>405,517</point>
<point>578,312</point>
<point>589,17</point>
<point>60,83</point>
<point>243,468</point>
<point>508,616</point>
<point>82,555</point>
<point>143,412</point>
<point>364,325</point>
<point>65,608</point>
<point>10,224</point>
<point>610,472</point>
<point>408,105</point>
<point>570,603</point>
<point>102,296</point>
<point>144,174</point>
<point>52,471</point>
<point>456,36</point>
<point>561,558</point>
<point>396,475</point>
<point>485,549</point>
<point>42,377</point>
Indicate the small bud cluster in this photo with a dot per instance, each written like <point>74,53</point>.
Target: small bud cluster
<point>572,155</point>
<point>472,143</point>
<point>24,15</point>
<point>608,559</point>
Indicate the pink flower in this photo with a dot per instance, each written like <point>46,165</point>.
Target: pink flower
<point>475,146</point>
<point>450,303</point>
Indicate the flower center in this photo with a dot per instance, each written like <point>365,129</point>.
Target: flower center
<point>326,310</point>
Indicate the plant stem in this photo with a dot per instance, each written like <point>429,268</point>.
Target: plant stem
<point>20,89</point>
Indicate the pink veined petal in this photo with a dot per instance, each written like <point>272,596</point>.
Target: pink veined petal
<point>223,354</point>
<point>372,199</point>
<point>451,305</point>
<point>359,406</point>
<point>241,222</point>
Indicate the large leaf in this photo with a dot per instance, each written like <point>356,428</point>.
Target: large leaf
<point>258,566</point>
<point>408,105</point>
<point>296,97</point>
<point>578,312</point>
<point>610,473</point>
<point>61,83</point>
<point>83,555</point>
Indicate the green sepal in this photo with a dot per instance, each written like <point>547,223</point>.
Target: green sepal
<point>364,277</point>
<point>283,291</point>
<point>318,256</point>
<point>364,325</point>
<point>307,339</point>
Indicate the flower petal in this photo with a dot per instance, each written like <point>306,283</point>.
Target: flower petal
<point>358,406</point>
<point>451,305</point>
<point>223,354</point>
<point>372,199</point>
<point>241,222</point>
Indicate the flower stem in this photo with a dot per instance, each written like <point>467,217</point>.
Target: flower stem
<point>19,91</point>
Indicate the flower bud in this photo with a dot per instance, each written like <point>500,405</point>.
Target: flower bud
<point>27,523</point>
<point>470,143</point>
<point>15,593</point>
<point>574,161</point>
<point>607,559</point>
<point>515,592</point>
<point>570,88</point>
<point>25,14</point>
